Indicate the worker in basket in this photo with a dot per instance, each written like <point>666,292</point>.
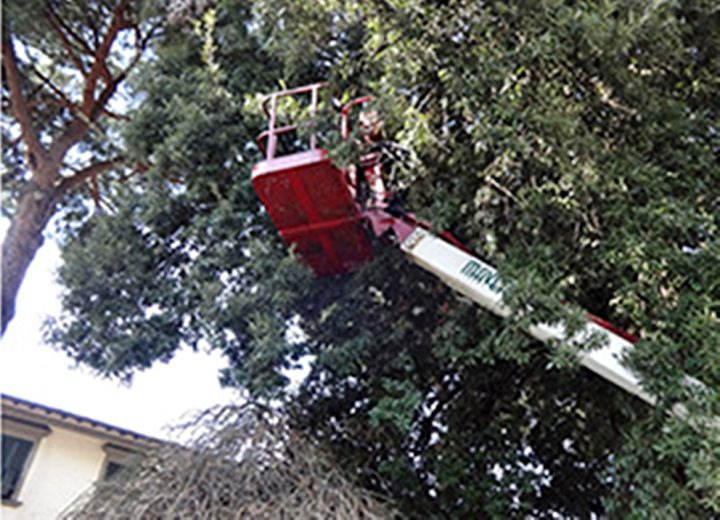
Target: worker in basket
<point>379,159</point>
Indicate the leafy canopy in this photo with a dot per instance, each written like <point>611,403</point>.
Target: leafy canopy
<point>575,145</point>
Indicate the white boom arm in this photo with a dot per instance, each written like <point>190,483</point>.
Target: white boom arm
<point>481,283</point>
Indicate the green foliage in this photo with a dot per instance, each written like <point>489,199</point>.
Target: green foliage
<point>133,316</point>
<point>398,407</point>
<point>575,145</point>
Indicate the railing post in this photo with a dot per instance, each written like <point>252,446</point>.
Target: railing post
<point>313,112</point>
<point>345,128</point>
<point>272,138</point>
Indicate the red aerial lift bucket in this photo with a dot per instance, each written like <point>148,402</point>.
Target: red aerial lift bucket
<point>309,199</point>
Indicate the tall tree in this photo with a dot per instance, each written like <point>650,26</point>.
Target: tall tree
<point>575,145</point>
<point>63,64</point>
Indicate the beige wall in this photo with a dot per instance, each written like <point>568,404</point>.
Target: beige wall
<point>65,464</point>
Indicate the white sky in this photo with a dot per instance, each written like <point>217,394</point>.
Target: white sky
<point>32,370</point>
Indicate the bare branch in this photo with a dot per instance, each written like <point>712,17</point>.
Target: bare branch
<point>139,169</point>
<point>91,108</point>
<point>93,28</point>
<point>14,142</point>
<point>20,109</point>
<point>502,189</point>
<point>77,128</point>
<point>107,92</point>
<point>57,26</point>
<point>114,115</point>
<point>118,23</point>
<point>61,99</point>
<point>95,190</point>
<point>140,46</point>
<point>57,91</point>
<point>46,99</point>
<point>81,176</point>
<point>111,86</point>
<point>75,36</point>
<point>244,461</point>
<point>73,133</point>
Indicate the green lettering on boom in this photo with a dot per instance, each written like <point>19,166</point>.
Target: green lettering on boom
<point>482,274</point>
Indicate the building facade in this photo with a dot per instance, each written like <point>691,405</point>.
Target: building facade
<point>50,457</point>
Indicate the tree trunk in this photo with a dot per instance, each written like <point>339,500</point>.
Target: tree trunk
<point>36,207</point>
<point>23,239</point>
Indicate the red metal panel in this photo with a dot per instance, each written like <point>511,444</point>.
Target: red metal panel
<point>309,201</point>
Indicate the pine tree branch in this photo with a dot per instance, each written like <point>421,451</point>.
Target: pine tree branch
<point>18,103</point>
<point>93,28</point>
<point>95,191</point>
<point>118,23</point>
<point>59,95</point>
<point>91,107</point>
<point>114,115</point>
<point>87,173</point>
<point>56,19</point>
<point>112,84</point>
<point>49,99</point>
<point>107,92</point>
<point>60,26</point>
<point>57,26</point>
<point>139,169</point>
<point>74,132</point>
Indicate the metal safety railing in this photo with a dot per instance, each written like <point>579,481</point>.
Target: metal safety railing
<point>270,106</point>
<point>345,126</point>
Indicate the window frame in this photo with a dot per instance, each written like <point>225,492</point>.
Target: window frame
<point>116,454</point>
<point>28,431</point>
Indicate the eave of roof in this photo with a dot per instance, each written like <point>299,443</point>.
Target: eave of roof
<point>63,418</point>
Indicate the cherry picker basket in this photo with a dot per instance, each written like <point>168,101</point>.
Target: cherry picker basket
<point>308,198</point>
